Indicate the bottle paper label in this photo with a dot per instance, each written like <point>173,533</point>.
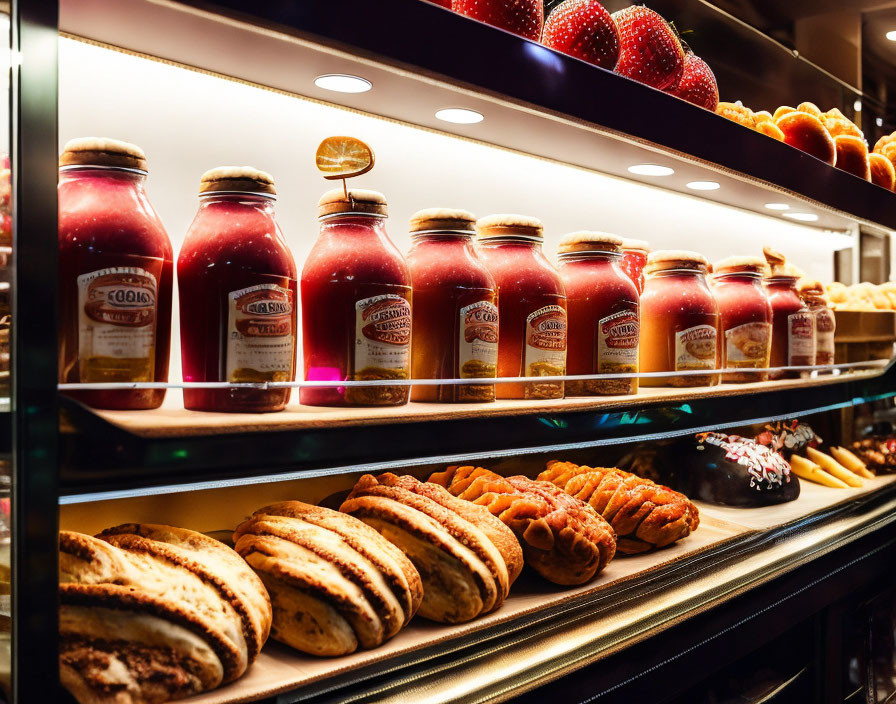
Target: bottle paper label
<point>478,343</point>
<point>695,348</point>
<point>800,339</point>
<point>748,345</point>
<point>546,342</point>
<point>383,336</point>
<point>117,311</point>
<point>824,337</point>
<point>261,337</point>
<point>617,343</point>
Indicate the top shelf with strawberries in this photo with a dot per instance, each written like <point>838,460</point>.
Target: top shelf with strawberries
<point>421,58</point>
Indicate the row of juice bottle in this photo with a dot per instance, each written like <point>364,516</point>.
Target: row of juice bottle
<point>473,300</point>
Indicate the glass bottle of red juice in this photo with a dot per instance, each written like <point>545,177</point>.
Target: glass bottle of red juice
<point>793,324</point>
<point>679,320</point>
<point>745,331</point>
<point>531,305</point>
<point>812,294</point>
<point>115,275</point>
<point>634,259</point>
<point>602,303</point>
<point>356,304</point>
<point>237,285</point>
<point>455,315</point>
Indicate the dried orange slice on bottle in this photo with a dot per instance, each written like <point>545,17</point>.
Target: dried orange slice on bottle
<point>343,157</point>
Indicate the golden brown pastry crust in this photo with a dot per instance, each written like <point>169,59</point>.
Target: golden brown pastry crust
<point>463,571</point>
<point>335,582</point>
<point>644,515</point>
<point>143,620</point>
<point>563,539</point>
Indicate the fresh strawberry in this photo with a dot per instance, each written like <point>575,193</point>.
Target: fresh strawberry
<point>443,3</point>
<point>523,17</point>
<point>584,29</point>
<point>649,49</point>
<point>697,84</point>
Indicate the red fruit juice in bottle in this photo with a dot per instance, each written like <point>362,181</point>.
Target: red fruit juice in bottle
<point>746,317</point>
<point>237,285</point>
<point>634,259</point>
<point>793,325</point>
<point>604,322</point>
<point>532,338</point>
<point>455,308</point>
<point>356,305</point>
<point>679,320</point>
<point>115,275</point>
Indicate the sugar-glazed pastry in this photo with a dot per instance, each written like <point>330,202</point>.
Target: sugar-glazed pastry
<point>152,613</point>
<point>335,583</point>
<point>563,538</point>
<point>466,558</point>
<point>644,515</point>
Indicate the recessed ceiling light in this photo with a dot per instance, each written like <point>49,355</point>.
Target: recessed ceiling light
<point>704,185</point>
<point>891,35</point>
<point>777,206</point>
<point>343,83</point>
<point>802,217</point>
<point>857,106</point>
<point>651,170</point>
<point>460,116</point>
<point>879,121</point>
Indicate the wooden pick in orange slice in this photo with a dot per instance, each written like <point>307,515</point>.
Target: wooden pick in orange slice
<point>343,157</point>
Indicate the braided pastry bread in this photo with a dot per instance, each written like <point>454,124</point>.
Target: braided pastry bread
<point>152,613</point>
<point>466,558</point>
<point>335,583</point>
<point>643,514</point>
<point>563,538</point>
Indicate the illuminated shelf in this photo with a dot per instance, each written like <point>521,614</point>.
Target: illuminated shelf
<point>109,454</point>
<point>534,100</point>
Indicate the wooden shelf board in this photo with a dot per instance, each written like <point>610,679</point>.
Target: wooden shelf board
<point>171,420</point>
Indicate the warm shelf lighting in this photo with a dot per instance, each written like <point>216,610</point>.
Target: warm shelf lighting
<point>650,170</point>
<point>704,185</point>
<point>879,121</point>
<point>802,217</point>
<point>460,116</point>
<point>777,206</point>
<point>891,35</point>
<point>857,106</point>
<point>343,83</point>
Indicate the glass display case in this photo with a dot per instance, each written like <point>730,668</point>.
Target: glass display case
<point>198,85</point>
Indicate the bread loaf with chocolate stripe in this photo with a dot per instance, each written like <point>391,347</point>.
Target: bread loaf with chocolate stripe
<point>563,539</point>
<point>153,613</point>
<point>644,515</point>
<point>335,583</point>
<point>466,559</point>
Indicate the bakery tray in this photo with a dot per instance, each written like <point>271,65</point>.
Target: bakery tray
<point>628,599</point>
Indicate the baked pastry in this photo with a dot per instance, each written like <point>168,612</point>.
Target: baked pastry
<point>788,437</point>
<point>644,515</point>
<point>467,559</point>
<point>730,470</point>
<point>564,539</point>
<point>151,613</point>
<point>335,583</point>
<point>877,452</point>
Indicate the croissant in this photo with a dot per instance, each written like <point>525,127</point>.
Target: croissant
<point>644,515</point>
<point>564,540</point>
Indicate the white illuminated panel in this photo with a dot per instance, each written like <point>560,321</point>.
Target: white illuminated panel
<point>188,122</point>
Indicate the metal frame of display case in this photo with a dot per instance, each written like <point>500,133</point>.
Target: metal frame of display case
<point>498,64</point>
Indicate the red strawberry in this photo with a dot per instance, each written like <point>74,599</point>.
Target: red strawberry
<point>697,84</point>
<point>584,29</point>
<point>443,3</point>
<point>649,49</point>
<point>523,17</point>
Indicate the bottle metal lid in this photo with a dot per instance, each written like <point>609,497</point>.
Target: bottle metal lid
<point>510,225</point>
<point>236,179</point>
<point>443,220</point>
<point>589,242</point>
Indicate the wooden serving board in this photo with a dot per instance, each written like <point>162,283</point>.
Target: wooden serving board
<point>280,669</point>
<point>171,420</point>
